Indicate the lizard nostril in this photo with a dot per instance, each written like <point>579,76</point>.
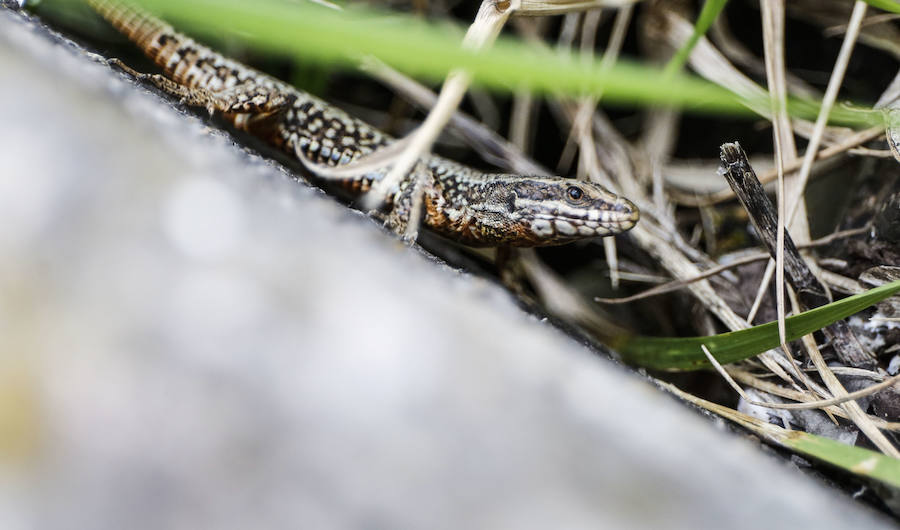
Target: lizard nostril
<point>626,209</point>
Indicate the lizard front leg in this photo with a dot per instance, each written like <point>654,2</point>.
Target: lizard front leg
<point>248,98</point>
<point>407,207</point>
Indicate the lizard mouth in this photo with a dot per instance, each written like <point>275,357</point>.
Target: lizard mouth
<point>607,220</point>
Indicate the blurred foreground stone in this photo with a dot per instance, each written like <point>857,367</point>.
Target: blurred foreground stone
<point>189,339</point>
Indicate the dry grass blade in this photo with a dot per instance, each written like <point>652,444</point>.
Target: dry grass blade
<point>484,30</point>
<point>560,7</point>
<point>834,85</point>
<point>521,121</point>
<point>834,14</point>
<point>490,19</point>
<point>843,146</point>
<point>492,147</point>
<point>805,405</point>
<point>773,40</point>
<point>582,129</point>
<point>720,33</point>
<point>707,61</point>
<point>744,260</point>
<point>565,302</point>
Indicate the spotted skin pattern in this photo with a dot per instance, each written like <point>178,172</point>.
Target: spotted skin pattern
<point>460,203</point>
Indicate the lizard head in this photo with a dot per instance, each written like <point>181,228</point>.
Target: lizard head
<point>544,211</point>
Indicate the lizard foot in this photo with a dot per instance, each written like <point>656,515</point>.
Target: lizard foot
<point>240,99</point>
<point>408,205</point>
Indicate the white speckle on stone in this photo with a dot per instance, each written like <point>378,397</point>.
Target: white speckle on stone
<point>203,218</point>
<point>894,365</point>
<point>871,331</point>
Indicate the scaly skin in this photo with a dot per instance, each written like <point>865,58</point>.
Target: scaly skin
<point>460,203</point>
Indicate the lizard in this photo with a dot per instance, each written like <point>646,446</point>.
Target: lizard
<point>463,204</point>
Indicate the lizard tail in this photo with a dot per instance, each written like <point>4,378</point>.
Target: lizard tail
<point>181,58</point>
<point>151,34</point>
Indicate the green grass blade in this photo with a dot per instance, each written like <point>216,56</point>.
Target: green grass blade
<point>888,5</point>
<point>431,50</point>
<point>855,460</point>
<point>684,353</point>
<point>711,10</point>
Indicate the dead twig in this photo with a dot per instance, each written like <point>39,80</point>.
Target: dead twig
<point>811,292</point>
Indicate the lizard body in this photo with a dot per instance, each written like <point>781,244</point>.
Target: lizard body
<point>461,203</point>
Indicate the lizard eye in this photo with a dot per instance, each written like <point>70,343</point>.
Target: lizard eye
<point>574,193</point>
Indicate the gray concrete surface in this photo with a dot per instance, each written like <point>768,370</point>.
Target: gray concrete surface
<point>189,339</point>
